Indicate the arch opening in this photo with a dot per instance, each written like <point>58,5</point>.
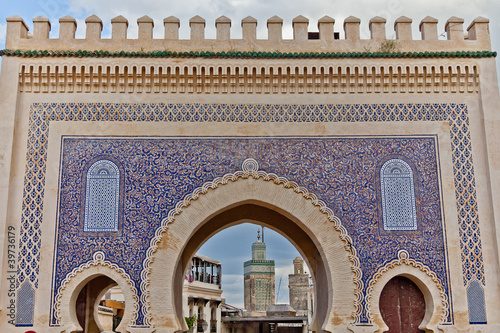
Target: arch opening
<point>111,308</point>
<point>299,216</point>
<point>261,270</point>
<point>433,306</point>
<point>78,300</point>
<point>294,232</point>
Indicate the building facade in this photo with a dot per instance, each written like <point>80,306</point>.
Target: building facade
<point>259,282</point>
<point>202,294</point>
<point>378,159</point>
<point>299,288</point>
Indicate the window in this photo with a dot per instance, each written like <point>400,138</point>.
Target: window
<point>398,196</point>
<point>102,195</point>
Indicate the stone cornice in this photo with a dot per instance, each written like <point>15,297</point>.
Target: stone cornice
<point>232,76</point>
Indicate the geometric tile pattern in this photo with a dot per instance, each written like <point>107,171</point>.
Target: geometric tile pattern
<point>263,294</point>
<point>398,196</point>
<point>41,114</point>
<point>25,305</point>
<point>102,197</point>
<point>475,301</point>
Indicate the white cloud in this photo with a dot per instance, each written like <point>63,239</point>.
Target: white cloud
<point>262,10</point>
<point>3,31</point>
<point>232,289</point>
<point>282,293</point>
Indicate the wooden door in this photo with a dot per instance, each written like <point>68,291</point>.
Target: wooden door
<point>402,306</point>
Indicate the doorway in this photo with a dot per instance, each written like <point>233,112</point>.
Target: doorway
<point>402,306</point>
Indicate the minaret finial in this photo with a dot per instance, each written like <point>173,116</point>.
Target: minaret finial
<point>258,235</point>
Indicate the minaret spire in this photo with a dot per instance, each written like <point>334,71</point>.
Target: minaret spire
<point>259,278</point>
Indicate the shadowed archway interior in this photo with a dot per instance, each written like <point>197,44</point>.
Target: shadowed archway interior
<point>87,301</point>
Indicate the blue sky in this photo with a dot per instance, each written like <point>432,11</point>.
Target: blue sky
<point>232,246</point>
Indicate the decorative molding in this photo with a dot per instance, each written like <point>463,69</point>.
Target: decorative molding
<point>291,77</point>
<point>242,54</point>
<point>250,168</point>
<point>99,259</point>
<point>404,259</point>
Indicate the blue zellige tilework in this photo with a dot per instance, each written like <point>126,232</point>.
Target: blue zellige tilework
<point>456,114</point>
<point>161,172</point>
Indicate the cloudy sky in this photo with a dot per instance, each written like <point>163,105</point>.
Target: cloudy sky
<point>232,246</point>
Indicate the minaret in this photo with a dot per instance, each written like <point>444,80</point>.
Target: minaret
<point>298,284</point>
<point>259,280</point>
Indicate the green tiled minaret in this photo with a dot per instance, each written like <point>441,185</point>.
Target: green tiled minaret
<point>259,279</point>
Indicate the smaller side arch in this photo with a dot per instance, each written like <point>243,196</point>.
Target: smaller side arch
<point>75,281</point>
<point>436,305</point>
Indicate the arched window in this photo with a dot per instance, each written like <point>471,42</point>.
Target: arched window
<point>475,300</point>
<point>398,196</point>
<point>102,195</point>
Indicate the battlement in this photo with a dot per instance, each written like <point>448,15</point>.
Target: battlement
<point>325,39</point>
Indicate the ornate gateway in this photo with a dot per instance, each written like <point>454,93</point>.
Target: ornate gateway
<point>377,158</point>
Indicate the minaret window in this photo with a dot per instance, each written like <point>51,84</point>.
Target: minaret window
<point>398,196</point>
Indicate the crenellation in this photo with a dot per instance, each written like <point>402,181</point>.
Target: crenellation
<point>479,29</point>
<point>300,25</point>
<point>377,28</point>
<point>351,28</point>
<point>478,38</point>
<point>428,28</point>
<point>41,28</point>
<point>67,28</point>
<point>249,28</point>
<point>454,28</point>
<point>326,29</point>
<point>171,25</point>
<point>275,29</point>
<point>16,29</point>
<point>119,27</point>
<point>146,25</point>
<point>197,25</point>
<point>223,26</point>
<point>402,27</point>
<point>94,27</point>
